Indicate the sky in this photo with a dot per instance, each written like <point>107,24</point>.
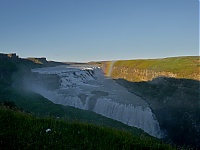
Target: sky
<point>95,30</point>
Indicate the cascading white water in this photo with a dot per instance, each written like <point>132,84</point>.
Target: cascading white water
<point>87,88</point>
<point>133,116</point>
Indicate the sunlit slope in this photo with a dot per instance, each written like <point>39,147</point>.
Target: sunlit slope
<point>146,69</point>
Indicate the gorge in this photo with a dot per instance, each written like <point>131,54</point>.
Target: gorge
<point>161,97</point>
<point>87,88</point>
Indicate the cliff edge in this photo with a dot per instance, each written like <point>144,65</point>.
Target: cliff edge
<point>187,67</point>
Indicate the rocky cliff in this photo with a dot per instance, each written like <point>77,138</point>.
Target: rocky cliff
<point>11,64</point>
<point>145,70</point>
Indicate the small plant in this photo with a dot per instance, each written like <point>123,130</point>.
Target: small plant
<point>8,104</point>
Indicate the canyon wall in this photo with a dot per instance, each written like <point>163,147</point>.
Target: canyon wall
<point>146,70</point>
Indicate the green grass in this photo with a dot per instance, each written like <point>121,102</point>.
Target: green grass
<point>183,67</point>
<point>19,130</point>
<point>173,64</point>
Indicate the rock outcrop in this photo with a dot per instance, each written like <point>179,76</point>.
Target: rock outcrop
<point>12,57</point>
<point>132,74</point>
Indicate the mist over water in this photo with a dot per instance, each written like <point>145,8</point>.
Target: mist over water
<point>87,88</point>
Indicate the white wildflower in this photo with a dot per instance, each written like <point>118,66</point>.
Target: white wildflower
<point>48,130</point>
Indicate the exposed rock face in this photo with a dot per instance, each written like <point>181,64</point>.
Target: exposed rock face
<point>11,63</point>
<point>137,74</point>
<point>12,57</point>
<point>146,74</point>
<point>140,74</point>
<point>7,65</point>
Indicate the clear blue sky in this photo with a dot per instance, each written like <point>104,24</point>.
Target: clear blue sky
<point>91,30</point>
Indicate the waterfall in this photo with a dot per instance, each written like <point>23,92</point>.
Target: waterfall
<point>130,115</point>
<point>87,88</point>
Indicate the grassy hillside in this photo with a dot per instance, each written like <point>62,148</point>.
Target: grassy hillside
<point>132,70</point>
<point>19,130</point>
<point>40,106</point>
